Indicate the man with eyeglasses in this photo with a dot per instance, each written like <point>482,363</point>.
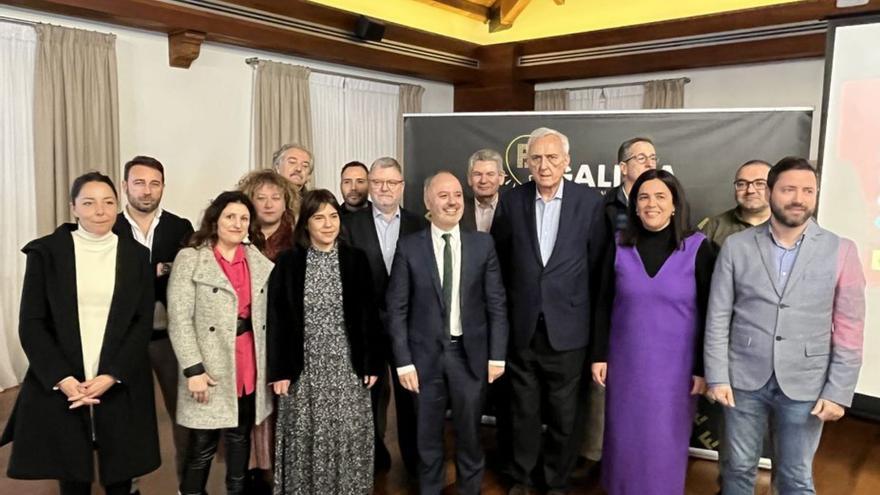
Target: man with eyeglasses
<point>751,209</point>
<point>375,230</point>
<point>485,177</point>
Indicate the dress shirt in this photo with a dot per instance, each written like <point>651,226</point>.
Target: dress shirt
<point>160,314</point>
<point>547,221</point>
<point>784,258</point>
<point>455,311</point>
<point>485,213</point>
<point>388,231</point>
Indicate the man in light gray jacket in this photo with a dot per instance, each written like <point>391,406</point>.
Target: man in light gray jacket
<point>784,334</point>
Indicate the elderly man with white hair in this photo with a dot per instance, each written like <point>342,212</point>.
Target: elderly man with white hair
<point>550,235</point>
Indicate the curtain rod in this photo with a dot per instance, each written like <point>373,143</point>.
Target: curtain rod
<point>13,20</point>
<point>255,60</point>
<point>619,85</point>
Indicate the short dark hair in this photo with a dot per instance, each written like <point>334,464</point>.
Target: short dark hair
<point>312,202</point>
<point>353,164</point>
<point>753,162</point>
<point>626,145</point>
<point>207,233</point>
<point>87,177</point>
<point>145,161</point>
<point>680,222</point>
<point>786,164</point>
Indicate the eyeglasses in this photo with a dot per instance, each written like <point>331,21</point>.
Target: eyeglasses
<point>642,158</point>
<point>390,184</point>
<point>743,185</point>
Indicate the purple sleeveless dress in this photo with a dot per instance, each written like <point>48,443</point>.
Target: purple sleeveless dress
<point>649,409</point>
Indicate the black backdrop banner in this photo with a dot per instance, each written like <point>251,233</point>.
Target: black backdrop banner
<point>703,148</point>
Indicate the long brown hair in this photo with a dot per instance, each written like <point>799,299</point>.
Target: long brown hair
<point>207,233</point>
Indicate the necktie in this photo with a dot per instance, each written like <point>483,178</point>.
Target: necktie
<point>447,282</point>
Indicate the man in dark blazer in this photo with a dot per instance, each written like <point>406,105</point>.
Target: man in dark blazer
<point>354,185</point>
<point>376,231</point>
<point>485,177</point>
<point>447,319</point>
<point>550,235</point>
<point>163,233</point>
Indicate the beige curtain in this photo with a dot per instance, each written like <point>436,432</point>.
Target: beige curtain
<point>76,115</point>
<point>410,98</point>
<point>282,110</point>
<point>551,100</point>
<point>667,93</point>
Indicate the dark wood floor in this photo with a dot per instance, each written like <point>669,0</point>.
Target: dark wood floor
<point>848,463</point>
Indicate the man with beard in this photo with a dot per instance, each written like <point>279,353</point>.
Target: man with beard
<point>784,334</point>
<point>354,186</point>
<point>294,163</point>
<point>751,208</point>
<point>163,233</point>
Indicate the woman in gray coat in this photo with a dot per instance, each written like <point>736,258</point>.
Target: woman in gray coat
<point>217,325</point>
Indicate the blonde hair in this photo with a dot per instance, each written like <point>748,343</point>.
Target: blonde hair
<point>259,178</point>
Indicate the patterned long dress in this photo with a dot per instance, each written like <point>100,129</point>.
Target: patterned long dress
<point>324,434</point>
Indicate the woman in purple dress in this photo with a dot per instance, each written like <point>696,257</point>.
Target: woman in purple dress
<point>648,345</point>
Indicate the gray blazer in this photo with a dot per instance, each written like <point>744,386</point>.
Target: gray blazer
<point>202,315</point>
<point>809,333</point>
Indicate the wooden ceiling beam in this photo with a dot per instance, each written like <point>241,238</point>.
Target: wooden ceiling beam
<point>464,7</point>
<point>504,12</point>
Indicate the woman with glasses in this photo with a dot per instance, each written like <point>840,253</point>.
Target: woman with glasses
<point>647,350</point>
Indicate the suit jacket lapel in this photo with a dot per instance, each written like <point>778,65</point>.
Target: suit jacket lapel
<point>371,237</point>
<point>805,255</point>
<point>465,270</point>
<point>259,267</point>
<point>529,213</point>
<point>428,246</point>
<point>765,248</point>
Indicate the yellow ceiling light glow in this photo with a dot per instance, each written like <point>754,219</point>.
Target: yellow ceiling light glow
<point>541,18</point>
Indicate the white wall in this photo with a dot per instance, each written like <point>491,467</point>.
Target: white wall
<point>795,83</point>
<point>197,121</point>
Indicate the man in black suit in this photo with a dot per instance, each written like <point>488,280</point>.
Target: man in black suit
<point>550,236</point>
<point>485,177</point>
<point>354,184</point>
<point>447,319</point>
<point>375,231</point>
<point>163,233</point>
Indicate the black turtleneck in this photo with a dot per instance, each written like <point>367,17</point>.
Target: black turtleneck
<point>654,249</point>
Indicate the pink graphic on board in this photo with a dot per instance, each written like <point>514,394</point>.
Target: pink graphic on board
<point>859,147</point>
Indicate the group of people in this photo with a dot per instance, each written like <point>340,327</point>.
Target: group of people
<point>286,321</point>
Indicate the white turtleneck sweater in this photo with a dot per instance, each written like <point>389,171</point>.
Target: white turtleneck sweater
<point>95,281</point>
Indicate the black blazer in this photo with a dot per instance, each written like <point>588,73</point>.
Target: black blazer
<point>361,231</point>
<point>564,291</point>
<point>469,215</point>
<point>286,314</point>
<point>416,308</point>
<point>170,236</point>
<point>49,440</point>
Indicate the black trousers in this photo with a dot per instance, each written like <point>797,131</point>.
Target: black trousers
<point>85,488</point>
<point>203,445</point>
<point>405,412</point>
<point>450,381</point>
<point>544,385</point>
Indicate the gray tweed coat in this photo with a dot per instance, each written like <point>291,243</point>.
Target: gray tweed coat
<point>202,314</point>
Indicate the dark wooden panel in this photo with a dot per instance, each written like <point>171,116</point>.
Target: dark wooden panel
<point>168,18</point>
<point>794,47</point>
<point>808,10</point>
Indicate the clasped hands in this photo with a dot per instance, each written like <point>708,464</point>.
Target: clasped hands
<point>85,393</point>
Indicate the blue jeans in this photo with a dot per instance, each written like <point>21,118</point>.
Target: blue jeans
<point>796,438</point>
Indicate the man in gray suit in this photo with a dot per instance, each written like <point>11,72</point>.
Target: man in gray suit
<point>783,334</point>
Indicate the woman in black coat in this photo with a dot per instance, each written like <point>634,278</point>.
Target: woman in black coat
<point>85,324</point>
<point>324,353</point>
